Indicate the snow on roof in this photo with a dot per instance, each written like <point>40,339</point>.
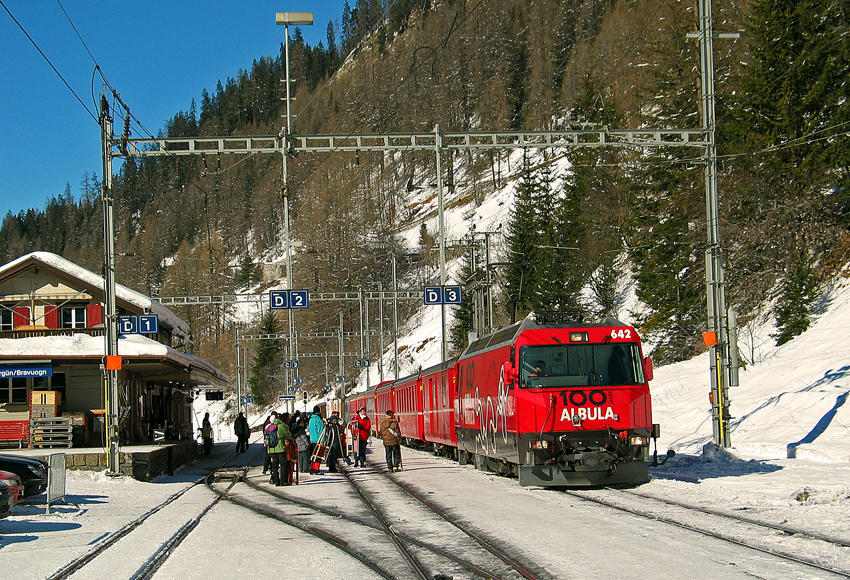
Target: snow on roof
<point>86,346</point>
<point>178,326</point>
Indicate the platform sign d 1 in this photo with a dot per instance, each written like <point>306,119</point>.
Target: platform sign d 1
<point>141,324</point>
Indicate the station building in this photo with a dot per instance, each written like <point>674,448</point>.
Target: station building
<point>52,353</point>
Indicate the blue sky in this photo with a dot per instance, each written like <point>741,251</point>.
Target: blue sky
<point>158,54</point>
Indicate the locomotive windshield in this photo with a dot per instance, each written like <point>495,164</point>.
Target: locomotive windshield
<point>577,365</point>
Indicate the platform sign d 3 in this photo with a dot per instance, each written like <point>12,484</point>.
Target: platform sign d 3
<point>443,295</point>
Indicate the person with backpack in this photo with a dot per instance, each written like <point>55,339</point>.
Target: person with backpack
<point>274,437</point>
<point>316,427</point>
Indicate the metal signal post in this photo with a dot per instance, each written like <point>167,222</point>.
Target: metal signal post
<point>723,344</point>
<point>111,315</point>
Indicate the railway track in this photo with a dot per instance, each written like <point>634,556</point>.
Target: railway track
<point>373,520</point>
<point>87,563</point>
<point>751,533</point>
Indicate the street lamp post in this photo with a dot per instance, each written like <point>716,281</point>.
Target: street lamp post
<point>287,18</point>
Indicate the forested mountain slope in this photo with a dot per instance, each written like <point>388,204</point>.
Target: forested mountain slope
<point>203,226</point>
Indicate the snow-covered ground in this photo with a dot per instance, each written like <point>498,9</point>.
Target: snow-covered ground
<point>789,463</point>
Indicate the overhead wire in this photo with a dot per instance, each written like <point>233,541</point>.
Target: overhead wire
<point>127,115</point>
<point>44,56</point>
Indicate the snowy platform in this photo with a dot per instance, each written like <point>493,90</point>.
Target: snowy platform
<point>141,462</point>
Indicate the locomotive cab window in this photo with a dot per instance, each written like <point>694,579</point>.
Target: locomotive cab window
<point>575,365</point>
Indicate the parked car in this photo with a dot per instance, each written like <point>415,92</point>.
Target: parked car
<point>33,472</point>
<point>13,482</point>
<point>6,500</point>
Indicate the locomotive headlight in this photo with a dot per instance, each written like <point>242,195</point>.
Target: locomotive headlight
<point>638,440</point>
<point>540,444</point>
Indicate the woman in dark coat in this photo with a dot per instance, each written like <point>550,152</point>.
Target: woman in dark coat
<point>206,432</point>
<point>242,431</point>
<point>336,441</point>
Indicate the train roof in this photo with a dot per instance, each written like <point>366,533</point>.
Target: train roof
<point>507,334</point>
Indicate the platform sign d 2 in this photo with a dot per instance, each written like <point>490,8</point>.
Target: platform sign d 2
<point>289,299</point>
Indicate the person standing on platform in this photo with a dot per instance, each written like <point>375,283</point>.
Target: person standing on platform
<point>360,432</point>
<point>316,426</point>
<point>268,458</point>
<point>336,442</point>
<point>242,431</point>
<point>277,451</point>
<point>390,434</point>
<point>302,439</point>
<point>206,432</point>
<point>293,421</point>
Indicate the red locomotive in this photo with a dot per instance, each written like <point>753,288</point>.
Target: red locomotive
<point>555,401</point>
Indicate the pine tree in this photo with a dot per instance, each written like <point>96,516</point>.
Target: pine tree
<point>799,291</point>
<point>246,272</point>
<point>463,312</point>
<point>267,360</point>
<point>522,278</point>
